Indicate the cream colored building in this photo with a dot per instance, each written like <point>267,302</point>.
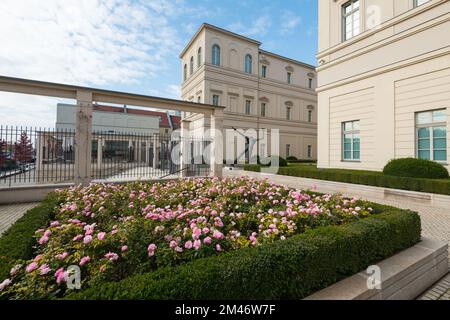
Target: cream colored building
<point>260,90</point>
<point>383,82</point>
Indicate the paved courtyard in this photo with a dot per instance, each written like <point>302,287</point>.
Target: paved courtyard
<point>11,213</point>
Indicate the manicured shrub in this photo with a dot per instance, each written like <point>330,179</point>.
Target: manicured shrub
<point>115,231</point>
<point>415,168</point>
<point>290,269</point>
<point>291,158</point>
<point>17,242</point>
<point>377,179</point>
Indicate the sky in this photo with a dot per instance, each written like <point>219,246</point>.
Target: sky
<point>130,45</point>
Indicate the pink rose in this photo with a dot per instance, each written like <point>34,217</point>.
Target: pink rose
<point>85,260</point>
<point>87,239</point>
<point>124,248</point>
<point>207,240</point>
<point>111,256</point>
<point>62,256</point>
<point>43,240</point>
<point>218,235</point>
<point>31,267</point>
<point>44,269</point>
<point>218,248</point>
<point>101,236</point>
<point>188,245</point>
<point>78,237</point>
<point>60,275</point>
<point>4,284</point>
<point>197,244</point>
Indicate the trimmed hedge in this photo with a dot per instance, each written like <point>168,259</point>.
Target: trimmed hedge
<point>376,179</point>
<point>17,242</point>
<point>415,168</point>
<point>290,269</point>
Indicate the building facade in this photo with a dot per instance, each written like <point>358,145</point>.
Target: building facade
<point>260,90</point>
<point>383,82</point>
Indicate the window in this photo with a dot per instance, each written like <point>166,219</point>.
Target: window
<point>351,141</point>
<point>431,135</point>
<point>309,151</point>
<point>310,83</point>
<point>263,109</point>
<point>248,105</point>
<point>216,55</point>
<point>419,2</point>
<point>248,64</point>
<point>289,77</point>
<point>310,116</point>
<point>350,19</point>
<point>288,113</point>
<point>288,150</point>
<point>199,99</point>
<point>264,71</point>
<point>199,57</point>
<point>216,100</point>
<point>185,72</point>
<point>191,66</point>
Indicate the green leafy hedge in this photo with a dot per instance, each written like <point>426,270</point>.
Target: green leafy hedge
<point>290,269</point>
<point>377,179</point>
<point>415,168</point>
<point>17,242</point>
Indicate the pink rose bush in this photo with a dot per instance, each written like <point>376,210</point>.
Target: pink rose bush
<point>114,231</point>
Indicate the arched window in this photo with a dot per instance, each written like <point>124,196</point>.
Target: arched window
<point>191,66</point>
<point>199,57</point>
<point>185,72</point>
<point>248,64</point>
<point>216,55</point>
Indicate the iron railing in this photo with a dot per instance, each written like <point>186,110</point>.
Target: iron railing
<point>41,155</point>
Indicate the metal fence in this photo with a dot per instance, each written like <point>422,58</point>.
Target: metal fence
<point>41,155</point>
<point>119,156</point>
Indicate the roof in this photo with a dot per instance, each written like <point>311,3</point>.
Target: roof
<point>287,59</point>
<point>258,43</point>
<point>165,121</point>
<point>212,27</point>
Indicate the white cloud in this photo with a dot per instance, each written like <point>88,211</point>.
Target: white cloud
<point>290,22</point>
<point>83,42</point>
<point>257,28</point>
<point>174,91</point>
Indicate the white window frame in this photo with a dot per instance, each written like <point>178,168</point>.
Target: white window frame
<point>418,3</point>
<point>352,13</point>
<point>248,107</point>
<point>264,71</point>
<point>263,109</point>
<point>214,98</point>
<point>288,113</point>
<point>431,125</point>
<point>310,116</point>
<point>353,132</point>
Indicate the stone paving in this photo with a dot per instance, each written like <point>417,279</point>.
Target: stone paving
<point>11,213</point>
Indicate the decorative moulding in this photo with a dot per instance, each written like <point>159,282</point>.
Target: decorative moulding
<point>310,107</point>
<point>311,75</point>
<point>264,99</point>
<point>289,103</point>
<point>290,69</point>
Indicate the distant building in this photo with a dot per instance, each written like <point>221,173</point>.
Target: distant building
<point>119,133</point>
<point>260,89</point>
